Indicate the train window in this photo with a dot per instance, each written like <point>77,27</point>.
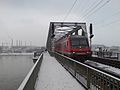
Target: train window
<point>64,44</point>
<point>73,33</point>
<point>79,42</point>
<point>80,32</point>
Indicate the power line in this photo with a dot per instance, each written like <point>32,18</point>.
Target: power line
<point>110,23</point>
<point>109,17</point>
<point>99,8</point>
<point>70,10</point>
<point>88,7</point>
<point>83,5</point>
<point>93,8</point>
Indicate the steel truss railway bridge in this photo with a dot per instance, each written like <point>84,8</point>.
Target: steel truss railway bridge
<point>89,77</point>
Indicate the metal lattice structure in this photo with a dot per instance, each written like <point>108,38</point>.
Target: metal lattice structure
<point>54,26</point>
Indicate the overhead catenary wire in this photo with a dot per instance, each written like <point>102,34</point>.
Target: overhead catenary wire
<point>83,5</point>
<point>108,24</point>
<point>110,16</point>
<point>83,11</point>
<point>98,8</point>
<point>93,8</point>
<point>69,10</point>
<point>91,11</point>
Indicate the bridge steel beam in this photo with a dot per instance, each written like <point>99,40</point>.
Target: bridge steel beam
<point>54,25</point>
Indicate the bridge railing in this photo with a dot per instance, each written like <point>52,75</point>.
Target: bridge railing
<point>90,78</point>
<point>30,80</point>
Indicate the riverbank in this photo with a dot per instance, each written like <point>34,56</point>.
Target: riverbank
<point>15,54</point>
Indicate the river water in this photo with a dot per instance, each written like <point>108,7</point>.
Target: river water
<point>13,69</point>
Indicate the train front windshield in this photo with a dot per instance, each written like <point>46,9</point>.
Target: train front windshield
<point>79,43</point>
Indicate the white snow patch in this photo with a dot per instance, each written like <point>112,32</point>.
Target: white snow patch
<point>53,76</point>
<point>104,67</point>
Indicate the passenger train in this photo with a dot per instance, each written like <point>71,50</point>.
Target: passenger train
<point>74,46</point>
<point>75,43</point>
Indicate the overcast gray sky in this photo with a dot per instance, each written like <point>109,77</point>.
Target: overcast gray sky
<point>28,20</point>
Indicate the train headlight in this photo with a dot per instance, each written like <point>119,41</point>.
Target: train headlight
<point>88,52</point>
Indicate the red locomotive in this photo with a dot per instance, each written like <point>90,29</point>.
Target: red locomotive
<point>70,39</point>
<point>74,46</point>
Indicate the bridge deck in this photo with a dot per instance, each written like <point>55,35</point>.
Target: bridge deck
<point>53,76</point>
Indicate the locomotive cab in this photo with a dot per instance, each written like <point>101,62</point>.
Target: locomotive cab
<point>80,48</point>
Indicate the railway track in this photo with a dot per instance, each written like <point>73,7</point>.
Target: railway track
<point>105,68</point>
<point>106,61</point>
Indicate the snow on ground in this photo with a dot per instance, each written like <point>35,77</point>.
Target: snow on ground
<point>53,76</point>
<point>104,67</point>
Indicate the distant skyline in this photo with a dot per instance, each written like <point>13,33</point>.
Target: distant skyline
<point>15,43</point>
<point>28,20</point>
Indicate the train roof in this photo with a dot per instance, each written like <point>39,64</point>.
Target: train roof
<point>77,36</point>
<point>71,36</point>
